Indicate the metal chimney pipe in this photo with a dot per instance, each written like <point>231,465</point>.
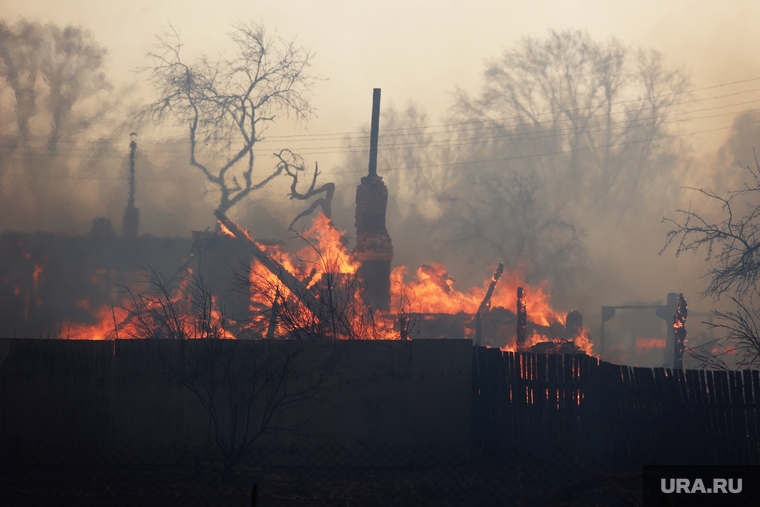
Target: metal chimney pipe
<point>374,132</point>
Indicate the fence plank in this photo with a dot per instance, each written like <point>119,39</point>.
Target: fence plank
<point>575,405</point>
<point>737,416</point>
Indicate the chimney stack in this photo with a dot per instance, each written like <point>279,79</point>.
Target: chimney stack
<point>373,244</point>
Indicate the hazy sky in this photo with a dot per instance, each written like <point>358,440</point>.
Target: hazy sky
<point>417,51</point>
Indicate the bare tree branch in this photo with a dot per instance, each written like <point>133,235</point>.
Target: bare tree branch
<point>228,104</point>
<point>293,165</point>
<point>733,243</point>
<point>246,396</point>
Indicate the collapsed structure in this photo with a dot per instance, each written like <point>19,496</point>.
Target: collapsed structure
<point>222,257</point>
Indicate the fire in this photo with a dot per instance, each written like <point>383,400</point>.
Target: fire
<point>583,342</point>
<point>102,329</point>
<point>331,252</point>
<point>433,292</point>
<point>225,230</point>
<point>38,269</point>
<point>322,261</point>
<point>117,323</point>
<point>326,271</point>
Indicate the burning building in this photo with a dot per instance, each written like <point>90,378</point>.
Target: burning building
<point>323,290</point>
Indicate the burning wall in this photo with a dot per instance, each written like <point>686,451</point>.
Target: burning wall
<point>54,283</point>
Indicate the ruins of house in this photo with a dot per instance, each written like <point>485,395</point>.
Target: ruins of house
<point>54,281</point>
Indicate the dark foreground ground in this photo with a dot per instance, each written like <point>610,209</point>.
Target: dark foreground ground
<point>481,482</point>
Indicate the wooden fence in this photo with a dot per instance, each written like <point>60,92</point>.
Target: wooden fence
<point>578,407</point>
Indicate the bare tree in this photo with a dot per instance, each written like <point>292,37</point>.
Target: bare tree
<point>293,165</point>
<point>52,73</point>
<point>565,140</point>
<point>585,116</point>
<point>227,104</point>
<point>739,347</point>
<point>733,243</point>
<point>249,391</point>
<point>172,309</point>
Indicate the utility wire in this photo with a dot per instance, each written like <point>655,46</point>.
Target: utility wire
<point>526,136</point>
<point>541,134</point>
<point>561,152</point>
<point>466,162</point>
<point>644,99</point>
<point>361,135</point>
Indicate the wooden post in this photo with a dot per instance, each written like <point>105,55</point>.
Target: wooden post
<point>679,332</point>
<point>522,318</point>
<point>272,328</point>
<point>486,304</point>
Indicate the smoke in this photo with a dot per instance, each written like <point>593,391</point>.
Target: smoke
<point>562,166</point>
<point>568,199</point>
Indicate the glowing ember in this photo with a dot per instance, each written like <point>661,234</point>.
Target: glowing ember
<point>36,276</point>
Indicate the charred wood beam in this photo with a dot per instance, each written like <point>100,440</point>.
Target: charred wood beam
<point>273,316</point>
<point>486,304</point>
<point>296,286</point>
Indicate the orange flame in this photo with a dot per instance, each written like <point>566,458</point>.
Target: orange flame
<point>583,342</point>
<point>433,292</point>
<point>325,254</point>
<point>102,329</point>
<point>225,230</point>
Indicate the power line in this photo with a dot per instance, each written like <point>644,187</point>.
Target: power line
<point>467,162</point>
<point>361,135</point>
<point>562,152</point>
<point>549,112</point>
<point>317,150</point>
<point>525,136</point>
